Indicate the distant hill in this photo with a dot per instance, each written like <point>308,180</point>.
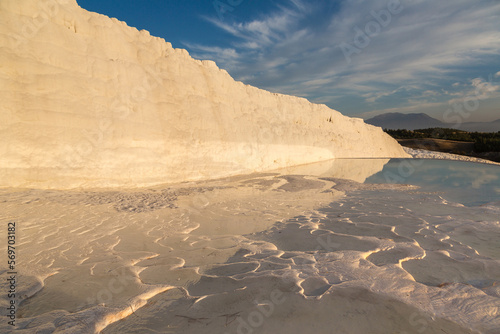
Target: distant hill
<point>481,126</point>
<point>398,120</point>
<point>423,121</point>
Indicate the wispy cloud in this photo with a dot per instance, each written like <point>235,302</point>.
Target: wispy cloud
<point>480,89</point>
<point>265,31</point>
<point>426,48</point>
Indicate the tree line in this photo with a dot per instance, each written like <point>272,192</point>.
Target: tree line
<point>483,141</point>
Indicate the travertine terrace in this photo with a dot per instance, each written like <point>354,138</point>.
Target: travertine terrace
<point>88,101</point>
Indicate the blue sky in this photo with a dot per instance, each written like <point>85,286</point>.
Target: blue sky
<point>359,57</point>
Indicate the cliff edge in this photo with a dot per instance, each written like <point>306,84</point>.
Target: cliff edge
<point>88,101</point>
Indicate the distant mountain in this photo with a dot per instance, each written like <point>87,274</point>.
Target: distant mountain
<point>481,126</point>
<point>423,121</point>
<point>398,120</point>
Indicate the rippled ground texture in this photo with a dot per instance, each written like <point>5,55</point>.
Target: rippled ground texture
<point>265,253</point>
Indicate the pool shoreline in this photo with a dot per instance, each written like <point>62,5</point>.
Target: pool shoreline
<point>426,154</point>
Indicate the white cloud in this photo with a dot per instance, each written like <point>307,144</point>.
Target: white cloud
<point>426,43</point>
<point>372,97</point>
<point>428,93</point>
<point>263,31</point>
<point>479,89</point>
<point>317,82</point>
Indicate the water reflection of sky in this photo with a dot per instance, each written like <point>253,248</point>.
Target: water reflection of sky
<point>464,182</point>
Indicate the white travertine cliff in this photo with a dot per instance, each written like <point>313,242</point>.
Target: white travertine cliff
<point>87,101</point>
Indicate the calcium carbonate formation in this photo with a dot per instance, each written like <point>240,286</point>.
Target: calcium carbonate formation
<point>88,101</point>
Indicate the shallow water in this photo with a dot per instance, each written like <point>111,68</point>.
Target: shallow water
<point>313,248</point>
<point>468,183</point>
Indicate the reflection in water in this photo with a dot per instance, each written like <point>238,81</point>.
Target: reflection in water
<point>210,257</point>
<point>351,169</point>
<point>464,182</point>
